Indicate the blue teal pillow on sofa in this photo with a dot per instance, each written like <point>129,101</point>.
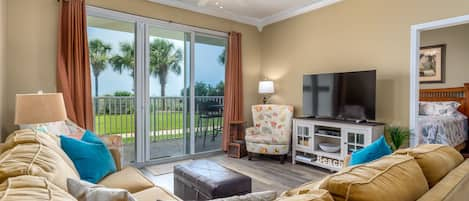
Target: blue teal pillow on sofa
<point>90,155</point>
<point>375,150</point>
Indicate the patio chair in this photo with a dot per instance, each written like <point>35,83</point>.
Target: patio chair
<point>210,117</point>
<point>271,134</point>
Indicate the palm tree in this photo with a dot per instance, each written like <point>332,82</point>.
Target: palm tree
<point>164,57</point>
<point>222,57</point>
<point>99,57</point>
<point>126,61</point>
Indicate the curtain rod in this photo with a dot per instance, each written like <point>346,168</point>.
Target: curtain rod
<point>164,20</point>
<point>168,21</point>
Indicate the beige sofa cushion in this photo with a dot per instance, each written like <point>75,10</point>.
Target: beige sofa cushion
<point>391,178</point>
<point>435,160</point>
<point>27,136</point>
<point>451,186</point>
<point>32,188</point>
<point>314,185</point>
<point>309,194</point>
<point>27,152</point>
<point>36,160</point>
<point>154,193</point>
<point>129,178</point>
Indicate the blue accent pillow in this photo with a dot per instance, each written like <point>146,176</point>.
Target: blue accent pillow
<point>90,155</point>
<point>375,150</point>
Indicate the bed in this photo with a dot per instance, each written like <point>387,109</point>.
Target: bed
<point>444,129</point>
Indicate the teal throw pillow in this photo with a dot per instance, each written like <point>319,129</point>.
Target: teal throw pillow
<point>375,150</point>
<point>90,155</point>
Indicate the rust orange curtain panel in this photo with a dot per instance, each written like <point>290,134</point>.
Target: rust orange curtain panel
<point>73,70</point>
<point>233,87</point>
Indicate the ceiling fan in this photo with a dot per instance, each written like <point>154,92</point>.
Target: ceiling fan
<point>218,2</point>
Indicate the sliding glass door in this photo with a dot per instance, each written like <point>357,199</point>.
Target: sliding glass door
<point>158,85</point>
<point>112,61</point>
<point>168,64</point>
<point>209,84</point>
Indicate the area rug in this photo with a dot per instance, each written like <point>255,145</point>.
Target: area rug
<point>165,168</point>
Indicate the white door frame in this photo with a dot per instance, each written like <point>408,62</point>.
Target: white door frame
<point>414,67</point>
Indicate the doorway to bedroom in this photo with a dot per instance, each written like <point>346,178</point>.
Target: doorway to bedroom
<point>439,85</point>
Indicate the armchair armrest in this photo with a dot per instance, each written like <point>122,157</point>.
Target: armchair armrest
<point>114,144</point>
<point>251,131</point>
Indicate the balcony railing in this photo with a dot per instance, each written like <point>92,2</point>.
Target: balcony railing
<point>116,116</point>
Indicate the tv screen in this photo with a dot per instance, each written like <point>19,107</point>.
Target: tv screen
<point>349,96</point>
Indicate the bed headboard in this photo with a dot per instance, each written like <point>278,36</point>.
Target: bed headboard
<point>459,94</point>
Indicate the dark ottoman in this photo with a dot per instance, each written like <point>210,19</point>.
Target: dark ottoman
<point>205,180</point>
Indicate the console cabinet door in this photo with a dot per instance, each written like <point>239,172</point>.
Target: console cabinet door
<point>354,139</point>
<point>303,136</point>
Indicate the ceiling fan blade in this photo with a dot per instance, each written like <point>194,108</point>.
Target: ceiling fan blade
<point>242,3</point>
<point>202,2</point>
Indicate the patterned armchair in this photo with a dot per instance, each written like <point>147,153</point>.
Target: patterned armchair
<point>271,133</point>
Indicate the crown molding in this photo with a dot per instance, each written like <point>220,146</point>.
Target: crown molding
<point>292,12</point>
<point>208,11</point>
<point>260,23</point>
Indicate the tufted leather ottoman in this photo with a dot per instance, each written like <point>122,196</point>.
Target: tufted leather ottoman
<point>205,180</point>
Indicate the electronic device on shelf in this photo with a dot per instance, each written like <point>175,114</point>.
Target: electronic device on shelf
<point>329,132</point>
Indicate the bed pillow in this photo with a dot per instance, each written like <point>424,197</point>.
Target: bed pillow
<point>443,108</point>
<point>90,155</point>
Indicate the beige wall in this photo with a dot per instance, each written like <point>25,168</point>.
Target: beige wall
<point>352,35</point>
<point>457,51</point>
<point>349,36</point>
<point>32,33</point>
<point>32,28</point>
<point>3,62</point>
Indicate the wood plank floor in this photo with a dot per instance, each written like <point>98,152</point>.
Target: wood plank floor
<point>266,173</point>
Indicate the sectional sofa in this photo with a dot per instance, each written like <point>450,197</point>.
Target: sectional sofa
<point>33,167</point>
<point>425,173</point>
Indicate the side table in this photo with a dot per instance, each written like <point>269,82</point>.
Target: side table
<point>237,146</point>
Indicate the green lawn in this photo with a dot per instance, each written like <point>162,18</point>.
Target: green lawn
<point>125,123</point>
<point>130,140</point>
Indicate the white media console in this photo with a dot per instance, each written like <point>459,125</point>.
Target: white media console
<point>349,136</point>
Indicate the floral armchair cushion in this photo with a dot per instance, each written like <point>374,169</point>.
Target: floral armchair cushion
<point>272,124</point>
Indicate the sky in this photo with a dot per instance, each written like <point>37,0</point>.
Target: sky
<point>207,67</point>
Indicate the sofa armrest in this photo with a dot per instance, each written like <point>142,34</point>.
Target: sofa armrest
<point>116,155</point>
<point>114,144</point>
<point>347,160</point>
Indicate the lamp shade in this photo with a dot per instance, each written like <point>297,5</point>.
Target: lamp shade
<point>266,87</point>
<point>39,108</point>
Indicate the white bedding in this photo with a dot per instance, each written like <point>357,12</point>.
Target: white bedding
<point>449,130</point>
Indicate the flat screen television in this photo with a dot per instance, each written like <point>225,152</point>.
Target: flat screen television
<point>347,96</point>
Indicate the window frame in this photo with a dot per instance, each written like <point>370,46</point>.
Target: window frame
<point>142,152</point>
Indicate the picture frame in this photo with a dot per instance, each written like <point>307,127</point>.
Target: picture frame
<point>432,65</point>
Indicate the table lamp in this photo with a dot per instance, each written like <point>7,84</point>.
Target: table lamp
<point>39,108</point>
<point>266,87</point>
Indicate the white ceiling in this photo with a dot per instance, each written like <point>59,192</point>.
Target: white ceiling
<point>254,12</point>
